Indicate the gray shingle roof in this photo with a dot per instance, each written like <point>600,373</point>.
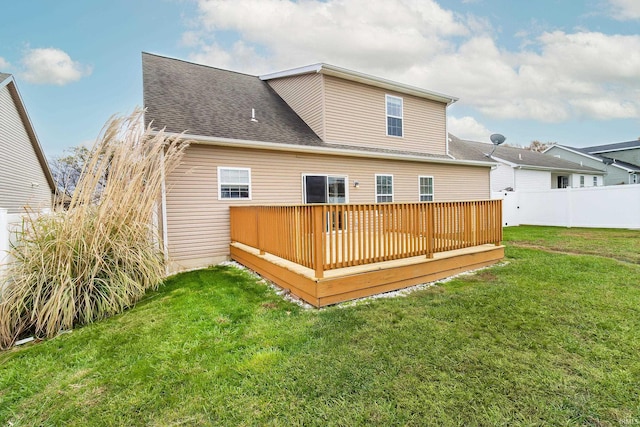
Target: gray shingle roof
<point>612,147</point>
<point>207,101</point>
<point>626,165</point>
<point>473,150</point>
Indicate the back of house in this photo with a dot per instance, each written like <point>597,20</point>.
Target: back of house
<point>315,134</point>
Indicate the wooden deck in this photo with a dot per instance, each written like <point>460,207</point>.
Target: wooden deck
<point>348,283</point>
<point>326,254</point>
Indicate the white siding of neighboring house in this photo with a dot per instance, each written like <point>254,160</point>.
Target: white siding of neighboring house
<point>588,180</point>
<point>614,176</point>
<point>502,177</point>
<point>526,179</point>
<point>22,181</point>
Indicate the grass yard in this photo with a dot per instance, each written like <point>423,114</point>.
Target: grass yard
<point>550,337</point>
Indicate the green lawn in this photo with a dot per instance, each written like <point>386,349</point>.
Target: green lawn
<point>550,337</point>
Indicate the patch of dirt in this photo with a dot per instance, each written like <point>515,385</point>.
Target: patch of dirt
<point>568,252</point>
<point>269,305</point>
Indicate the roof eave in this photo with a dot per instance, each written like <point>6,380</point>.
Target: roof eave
<point>582,153</point>
<point>555,169</point>
<point>343,73</point>
<point>264,145</point>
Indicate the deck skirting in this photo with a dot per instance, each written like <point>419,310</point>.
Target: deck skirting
<point>356,282</point>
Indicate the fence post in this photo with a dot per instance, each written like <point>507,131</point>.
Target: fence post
<point>318,247</point>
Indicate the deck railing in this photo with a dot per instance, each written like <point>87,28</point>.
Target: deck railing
<point>329,236</point>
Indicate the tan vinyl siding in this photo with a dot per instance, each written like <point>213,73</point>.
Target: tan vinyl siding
<point>22,181</point>
<point>304,95</point>
<point>356,115</point>
<point>198,223</point>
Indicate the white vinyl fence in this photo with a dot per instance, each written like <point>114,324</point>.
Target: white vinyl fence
<point>615,206</point>
<point>9,223</point>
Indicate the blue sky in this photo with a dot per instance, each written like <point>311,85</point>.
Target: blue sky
<point>553,70</point>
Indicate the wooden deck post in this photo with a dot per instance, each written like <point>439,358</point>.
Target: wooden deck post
<point>498,224</point>
<point>318,247</point>
<point>430,229</point>
<point>256,212</point>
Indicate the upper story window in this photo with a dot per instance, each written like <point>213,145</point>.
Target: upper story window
<point>394,116</point>
<point>234,183</point>
<point>384,188</point>
<point>426,188</point>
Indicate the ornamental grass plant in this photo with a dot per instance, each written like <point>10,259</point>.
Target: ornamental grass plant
<point>101,254</point>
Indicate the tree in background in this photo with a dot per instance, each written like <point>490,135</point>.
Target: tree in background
<point>538,146</point>
<point>66,169</point>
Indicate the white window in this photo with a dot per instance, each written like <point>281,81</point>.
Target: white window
<point>581,180</point>
<point>426,188</point>
<point>384,188</point>
<point>394,116</point>
<point>234,183</point>
<point>634,178</point>
<point>595,181</point>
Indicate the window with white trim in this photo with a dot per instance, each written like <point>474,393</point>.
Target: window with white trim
<point>394,115</point>
<point>234,183</point>
<point>595,181</point>
<point>426,188</point>
<point>324,188</point>
<point>384,188</point>
<point>581,180</point>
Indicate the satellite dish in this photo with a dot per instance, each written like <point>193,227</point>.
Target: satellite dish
<point>497,139</point>
<point>607,161</point>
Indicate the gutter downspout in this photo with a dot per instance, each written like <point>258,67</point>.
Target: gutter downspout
<point>163,205</point>
<point>446,129</point>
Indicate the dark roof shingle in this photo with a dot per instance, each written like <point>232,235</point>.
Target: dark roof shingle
<point>207,101</point>
<point>612,147</point>
<point>473,150</point>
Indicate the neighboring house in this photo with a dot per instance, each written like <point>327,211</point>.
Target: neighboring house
<point>316,134</point>
<point>615,159</point>
<point>520,169</point>
<point>25,177</point>
<point>628,151</point>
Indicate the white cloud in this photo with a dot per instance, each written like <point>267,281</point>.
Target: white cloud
<point>625,10</point>
<point>4,64</point>
<point>386,37</point>
<point>467,128</point>
<point>52,66</point>
<point>553,77</point>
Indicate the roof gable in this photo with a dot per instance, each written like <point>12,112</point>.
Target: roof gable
<point>629,167</point>
<point>8,81</point>
<point>343,73</point>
